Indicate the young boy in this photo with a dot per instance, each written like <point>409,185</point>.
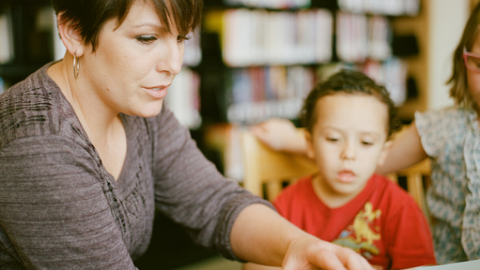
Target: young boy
<point>349,120</point>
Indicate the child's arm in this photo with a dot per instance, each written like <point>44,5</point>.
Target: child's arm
<point>405,151</point>
<point>280,135</point>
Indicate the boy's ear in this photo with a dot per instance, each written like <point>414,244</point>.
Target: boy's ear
<point>70,36</point>
<point>309,143</point>
<point>384,153</point>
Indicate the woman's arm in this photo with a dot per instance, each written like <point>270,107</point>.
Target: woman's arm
<point>218,213</point>
<point>262,236</point>
<point>405,151</point>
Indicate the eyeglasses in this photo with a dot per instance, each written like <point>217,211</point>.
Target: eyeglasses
<point>472,60</point>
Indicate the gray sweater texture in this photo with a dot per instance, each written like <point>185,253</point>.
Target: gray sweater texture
<point>60,208</point>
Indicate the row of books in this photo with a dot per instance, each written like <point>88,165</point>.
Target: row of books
<point>183,98</point>
<point>383,7</point>
<point>360,37</point>
<point>274,4</point>
<point>3,87</point>
<point>260,37</point>
<point>392,74</point>
<point>193,52</point>
<point>259,93</point>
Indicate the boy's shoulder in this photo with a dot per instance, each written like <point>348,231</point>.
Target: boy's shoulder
<point>301,185</point>
<point>301,189</point>
<point>391,194</point>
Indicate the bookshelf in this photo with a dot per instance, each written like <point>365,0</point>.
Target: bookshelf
<point>265,60</point>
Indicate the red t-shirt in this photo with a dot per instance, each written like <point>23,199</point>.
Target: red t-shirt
<point>382,223</point>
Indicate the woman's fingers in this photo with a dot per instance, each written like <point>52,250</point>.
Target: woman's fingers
<point>337,257</point>
<point>324,255</point>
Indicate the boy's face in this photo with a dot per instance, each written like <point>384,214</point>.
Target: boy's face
<point>348,140</point>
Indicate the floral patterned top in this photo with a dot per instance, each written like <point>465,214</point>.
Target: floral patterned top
<point>451,137</point>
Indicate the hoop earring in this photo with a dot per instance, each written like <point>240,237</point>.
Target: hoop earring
<point>76,65</point>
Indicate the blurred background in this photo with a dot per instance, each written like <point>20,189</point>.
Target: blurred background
<point>256,59</point>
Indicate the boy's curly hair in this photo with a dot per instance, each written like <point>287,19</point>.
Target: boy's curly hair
<point>348,82</point>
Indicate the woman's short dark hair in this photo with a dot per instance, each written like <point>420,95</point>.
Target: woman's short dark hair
<point>88,16</point>
<point>348,82</point>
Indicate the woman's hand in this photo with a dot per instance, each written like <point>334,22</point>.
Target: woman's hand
<point>280,135</point>
<point>308,252</point>
<point>262,236</point>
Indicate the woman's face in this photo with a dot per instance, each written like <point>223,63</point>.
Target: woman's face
<point>134,63</point>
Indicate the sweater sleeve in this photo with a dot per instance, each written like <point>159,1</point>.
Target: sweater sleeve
<point>190,190</point>
<point>53,211</point>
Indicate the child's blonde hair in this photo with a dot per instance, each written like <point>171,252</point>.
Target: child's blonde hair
<point>459,87</point>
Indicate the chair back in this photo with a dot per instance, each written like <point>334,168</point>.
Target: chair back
<point>417,177</point>
<point>268,168</point>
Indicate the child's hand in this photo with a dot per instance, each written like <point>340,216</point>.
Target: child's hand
<point>280,135</point>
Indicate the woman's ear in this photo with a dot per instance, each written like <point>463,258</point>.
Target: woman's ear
<point>384,153</point>
<point>310,149</point>
<point>70,36</point>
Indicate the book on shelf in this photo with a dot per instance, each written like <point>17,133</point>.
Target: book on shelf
<point>183,98</point>
<point>59,49</point>
<point>6,38</point>
<point>259,93</point>
<point>361,37</point>
<point>381,7</point>
<point>2,86</point>
<point>193,53</point>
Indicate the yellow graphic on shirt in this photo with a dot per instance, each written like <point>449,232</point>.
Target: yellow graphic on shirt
<point>360,235</point>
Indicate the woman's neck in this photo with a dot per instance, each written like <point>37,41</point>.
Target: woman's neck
<point>95,116</point>
<point>102,125</point>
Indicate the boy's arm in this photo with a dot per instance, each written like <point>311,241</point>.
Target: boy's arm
<point>405,151</point>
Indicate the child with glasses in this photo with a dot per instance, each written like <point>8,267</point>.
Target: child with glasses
<point>349,120</point>
<point>450,138</point>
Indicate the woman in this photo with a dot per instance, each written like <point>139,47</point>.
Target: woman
<point>87,151</point>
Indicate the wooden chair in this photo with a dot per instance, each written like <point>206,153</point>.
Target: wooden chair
<point>266,170</point>
<point>270,168</point>
<point>416,176</point>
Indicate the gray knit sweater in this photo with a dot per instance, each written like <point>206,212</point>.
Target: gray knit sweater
<point>60,208</point>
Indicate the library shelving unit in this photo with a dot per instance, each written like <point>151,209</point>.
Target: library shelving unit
<point>260,60</point>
